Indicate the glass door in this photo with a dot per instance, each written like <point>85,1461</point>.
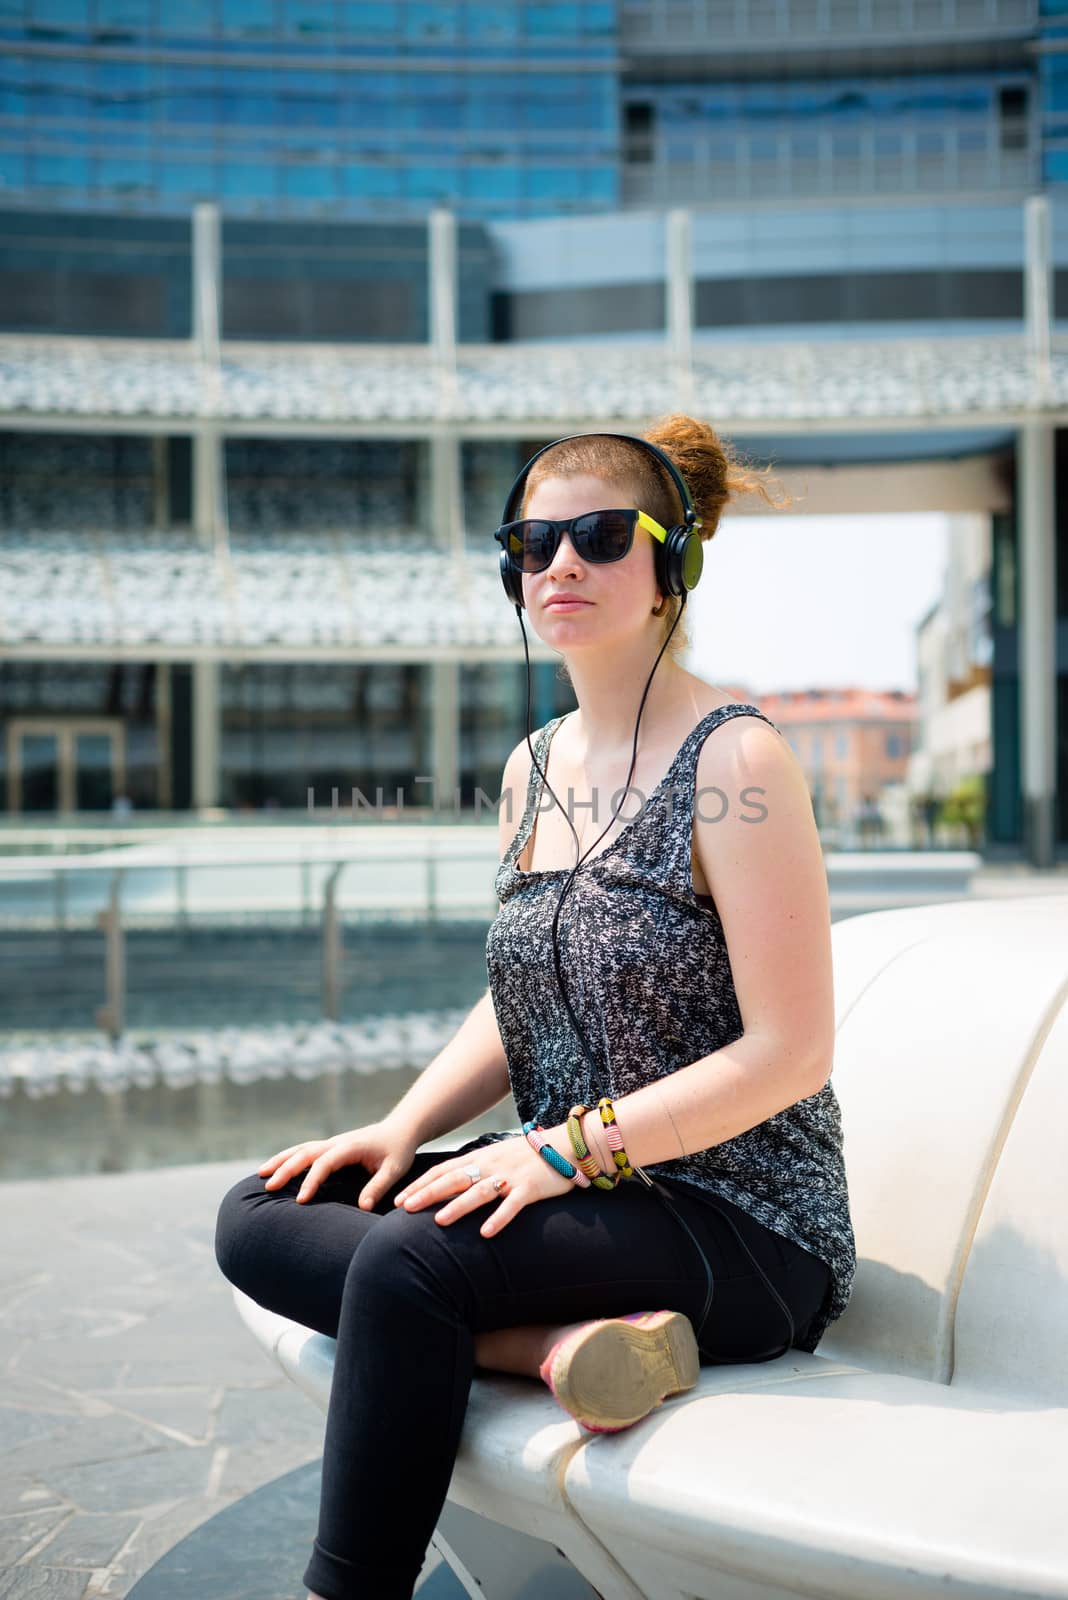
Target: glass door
<point>65,764</point>
<point>93,773</point>
<point>33,770</point>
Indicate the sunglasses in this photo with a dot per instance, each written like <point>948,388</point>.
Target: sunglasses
<point>596,535</point>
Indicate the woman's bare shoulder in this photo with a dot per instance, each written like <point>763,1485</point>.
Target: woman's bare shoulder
<point>515,780</point>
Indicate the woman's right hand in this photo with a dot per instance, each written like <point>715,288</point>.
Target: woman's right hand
<point>386,1150</point>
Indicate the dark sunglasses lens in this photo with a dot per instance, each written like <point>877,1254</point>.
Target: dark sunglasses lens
<point>531,545</point>
<point>603,535</point>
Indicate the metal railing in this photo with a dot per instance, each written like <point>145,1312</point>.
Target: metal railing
<point>739,167</point>
<point>323,895</point>
<point>63,895</point>
<point>718,26</point>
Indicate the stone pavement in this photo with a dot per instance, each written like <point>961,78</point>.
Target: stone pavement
<point>133,1404</point>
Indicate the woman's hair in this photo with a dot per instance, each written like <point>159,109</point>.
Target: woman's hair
<point>714,473</point>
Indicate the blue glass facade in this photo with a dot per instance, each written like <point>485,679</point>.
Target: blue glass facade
<point>830,134</point>
<point>683,112</point>
<point>1053,88</point>
<point>310,107</point>
<point>356,109</point>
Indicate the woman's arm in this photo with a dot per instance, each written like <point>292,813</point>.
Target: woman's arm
<point>470,1075</point>
<point>769,883</point>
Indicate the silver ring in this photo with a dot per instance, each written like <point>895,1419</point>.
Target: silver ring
<point>498,1184</point>
<point>473,1172</point>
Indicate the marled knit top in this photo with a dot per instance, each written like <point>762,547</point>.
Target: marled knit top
<point>648,974</point>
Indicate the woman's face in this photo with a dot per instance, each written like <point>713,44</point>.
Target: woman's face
<point>619,595</point>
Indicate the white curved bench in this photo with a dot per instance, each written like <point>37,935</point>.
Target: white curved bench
<point>923,1449</point>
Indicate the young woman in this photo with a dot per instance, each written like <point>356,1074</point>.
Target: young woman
<point>693,949</point>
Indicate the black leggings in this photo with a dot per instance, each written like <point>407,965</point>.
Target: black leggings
<point>404,1297</point>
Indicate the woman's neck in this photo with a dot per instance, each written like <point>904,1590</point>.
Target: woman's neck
<point>608,696</point>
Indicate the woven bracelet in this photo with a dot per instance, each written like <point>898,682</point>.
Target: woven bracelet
<point>536,1139</point>
<point>587,1161</point>
<point>613,1137</point>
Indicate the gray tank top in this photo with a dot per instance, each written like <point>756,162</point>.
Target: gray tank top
<point>648,975</point>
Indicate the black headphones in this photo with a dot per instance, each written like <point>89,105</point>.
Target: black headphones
<point>678,560</point>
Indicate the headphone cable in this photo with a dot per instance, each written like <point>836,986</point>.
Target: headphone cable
<point>768,1355</point>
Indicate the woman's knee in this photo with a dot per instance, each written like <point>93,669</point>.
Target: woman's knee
<point>236,1218</point>
<point>410,1260</point>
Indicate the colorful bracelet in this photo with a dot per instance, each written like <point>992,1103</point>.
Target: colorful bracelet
<point>596,1145</point>
<point>614,1137</point>
<point>536,1139</point>
<point>587,1161</point>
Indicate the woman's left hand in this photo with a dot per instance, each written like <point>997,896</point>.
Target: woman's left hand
<point>527,1177</point>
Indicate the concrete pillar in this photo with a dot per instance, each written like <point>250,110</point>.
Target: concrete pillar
<point>445,730</point>
<point>446,493</point>
<point>209,497</point>
<point>441,287</point>
<point>679,310</point>
<point>165,774</point>
<point>207,282</point>
<point>446,499</point>
<point>1037,640</point>
<point>1038,293</point>
<point>205,734</point>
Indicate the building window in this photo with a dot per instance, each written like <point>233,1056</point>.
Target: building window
<point>493,720</point>
<point>57,16</point>
<point>124,15</point>
<point>290,727</point>
<point>371,19</point>
<point>981,641</point>
<point>192,19</point>
<point>430,22</point>
<point>638,132</point>
<point>552,21</point>
<point>1012,116</point>
<point>61,172</point>
<point>248,19</point>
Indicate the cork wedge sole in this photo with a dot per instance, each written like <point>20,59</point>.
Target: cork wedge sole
<point>612,1373</point>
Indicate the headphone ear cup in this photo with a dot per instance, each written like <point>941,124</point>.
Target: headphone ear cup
<point>693,558</point>
<point>512,580</point>
<point>683,560</point>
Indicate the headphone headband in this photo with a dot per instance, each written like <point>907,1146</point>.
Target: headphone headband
<point>685,498</point>
<point>678,558</point>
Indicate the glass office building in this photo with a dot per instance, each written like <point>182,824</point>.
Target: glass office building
<point>346,108</point>
<point>310,107</point>
<point>829,134</point>
<point>852,167</point>
<point>1053,89</point>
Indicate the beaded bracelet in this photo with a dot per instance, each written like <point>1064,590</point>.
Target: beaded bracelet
<point>536,1139</point>
<point>587,1161</point>
<point>614,1137</point>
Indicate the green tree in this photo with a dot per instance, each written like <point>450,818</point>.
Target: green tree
<point>966,805</point>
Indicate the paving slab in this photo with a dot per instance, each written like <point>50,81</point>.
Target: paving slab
<point>89,1540</point>
<point>42,1583</point>
<point>20,1533</point>
<point>133,1405</point>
